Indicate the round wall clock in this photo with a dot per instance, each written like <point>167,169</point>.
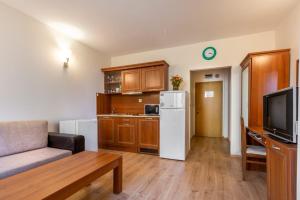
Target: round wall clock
<point>209,53</point>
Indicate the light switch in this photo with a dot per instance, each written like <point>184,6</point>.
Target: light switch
<point>140,100</point>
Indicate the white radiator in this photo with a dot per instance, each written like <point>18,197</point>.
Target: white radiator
<point>87,128</point>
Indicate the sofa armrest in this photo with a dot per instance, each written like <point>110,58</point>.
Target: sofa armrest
<point>74,143</point>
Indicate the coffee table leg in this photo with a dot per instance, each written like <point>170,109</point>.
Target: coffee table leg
<point>118,178</point>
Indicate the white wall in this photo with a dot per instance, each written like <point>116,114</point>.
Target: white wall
<point>33,82</point>
<point>231,52</point>
<point>199,76</point>
<point>288,36</point>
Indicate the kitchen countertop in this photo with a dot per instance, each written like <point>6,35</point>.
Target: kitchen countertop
<point>128,115</point>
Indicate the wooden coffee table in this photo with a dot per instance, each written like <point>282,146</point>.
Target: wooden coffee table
<point>61,178</point>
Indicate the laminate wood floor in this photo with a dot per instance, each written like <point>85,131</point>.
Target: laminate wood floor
<point>209,173</point>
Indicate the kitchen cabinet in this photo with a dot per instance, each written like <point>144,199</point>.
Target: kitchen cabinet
<point>148,134</point>
<point>125,133</point>
<point>141,77</point>
<point>154,79</point>
<point>133,134</point>
<point>103,103</point>
<point>131,80</point>
<point>117,133</point>
<point>281,171</point>
<point>106,133</point>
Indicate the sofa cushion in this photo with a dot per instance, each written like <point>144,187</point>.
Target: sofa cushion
<point>16,137</point>
<point>13,164</point>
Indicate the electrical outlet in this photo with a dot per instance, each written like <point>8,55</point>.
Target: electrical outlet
<point>140,100</point>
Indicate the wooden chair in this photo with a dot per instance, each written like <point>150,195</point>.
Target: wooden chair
<point>251,154</point>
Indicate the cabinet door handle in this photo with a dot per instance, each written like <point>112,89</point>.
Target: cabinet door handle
<point>275,147</point>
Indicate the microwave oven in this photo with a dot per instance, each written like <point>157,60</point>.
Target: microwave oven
<point>151,109</point>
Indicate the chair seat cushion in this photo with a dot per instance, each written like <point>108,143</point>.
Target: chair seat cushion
<point>16,163</point>
<point>258,150</point>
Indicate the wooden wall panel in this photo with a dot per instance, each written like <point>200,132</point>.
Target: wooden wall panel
<point>130,104</point>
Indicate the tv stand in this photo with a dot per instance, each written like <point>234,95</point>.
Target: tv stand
<point>278,139</point>
<point>281,163</point>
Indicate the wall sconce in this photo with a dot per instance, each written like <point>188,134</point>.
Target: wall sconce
<point>66,63</point>
<point>66,54</point>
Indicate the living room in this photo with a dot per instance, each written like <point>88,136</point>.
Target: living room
<point>67,60</point>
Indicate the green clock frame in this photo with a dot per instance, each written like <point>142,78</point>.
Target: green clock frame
<point>213,56</point>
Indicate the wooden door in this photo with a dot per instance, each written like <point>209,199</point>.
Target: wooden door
<point>208,108</point>
<point>148,133</point>
<point>106,134</point>
<point>131,80</point>
<point>154,79</point>
<point>126,132</point>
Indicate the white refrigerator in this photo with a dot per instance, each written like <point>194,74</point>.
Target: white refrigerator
<point>174,134</point>
<point>86,127</point>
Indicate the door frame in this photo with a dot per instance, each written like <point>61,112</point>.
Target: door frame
<point>223,105</point>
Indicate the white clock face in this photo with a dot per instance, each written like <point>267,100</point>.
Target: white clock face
<point>209,53</point>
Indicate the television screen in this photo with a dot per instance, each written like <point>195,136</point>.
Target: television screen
<point>277,112</point>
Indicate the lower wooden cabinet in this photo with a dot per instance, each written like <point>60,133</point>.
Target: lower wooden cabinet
<point>125,133</point>
<point>106,133</point>
<point>129,134</point>
<point>281,171</point>
<point>148,135</point>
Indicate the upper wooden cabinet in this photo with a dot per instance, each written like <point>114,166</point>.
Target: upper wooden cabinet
<point>143,77</point>
<point>131,80</point>
<point>154,79</point>
<point>262,73</point>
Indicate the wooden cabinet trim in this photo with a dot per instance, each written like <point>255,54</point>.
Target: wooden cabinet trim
<point>250,55</point>
<point>134,66</point>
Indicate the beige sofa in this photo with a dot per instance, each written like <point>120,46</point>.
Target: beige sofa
<point>24,145</point>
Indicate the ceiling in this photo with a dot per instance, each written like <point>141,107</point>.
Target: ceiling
<point>119,27</point>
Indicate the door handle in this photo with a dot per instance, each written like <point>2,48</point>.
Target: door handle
<point>275,147</point>
<point>125,124</point>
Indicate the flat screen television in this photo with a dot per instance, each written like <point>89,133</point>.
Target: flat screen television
<point>280,114</point>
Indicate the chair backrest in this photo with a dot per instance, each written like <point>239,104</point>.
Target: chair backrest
<point>20,136</point>
<point>243,136</point>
